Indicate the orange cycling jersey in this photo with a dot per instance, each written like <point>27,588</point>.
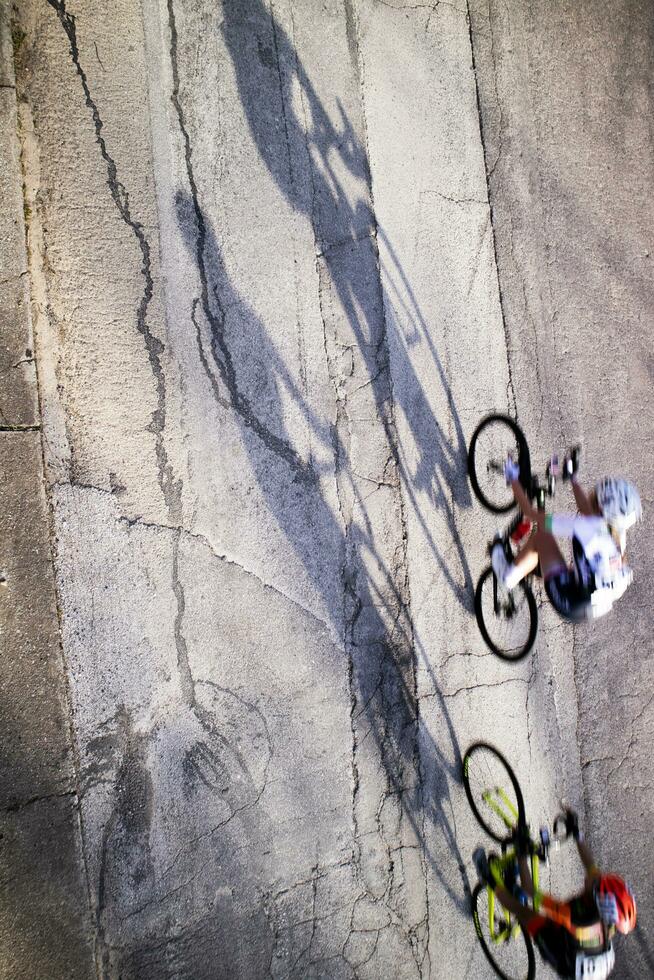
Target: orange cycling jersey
<point>578,917</point>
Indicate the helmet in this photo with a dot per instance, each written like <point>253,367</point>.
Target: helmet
<point>616,903</point>
<point>619,502</point>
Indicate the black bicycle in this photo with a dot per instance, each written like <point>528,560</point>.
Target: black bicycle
<point>508,619</point>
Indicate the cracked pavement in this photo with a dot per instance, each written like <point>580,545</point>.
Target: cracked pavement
<point>280,258</point>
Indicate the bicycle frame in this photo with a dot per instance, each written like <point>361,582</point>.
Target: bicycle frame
<point>501,805</point>
<point>512,818</point>
<point>509,929</point>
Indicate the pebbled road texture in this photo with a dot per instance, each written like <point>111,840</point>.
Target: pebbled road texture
<point>282,257</point>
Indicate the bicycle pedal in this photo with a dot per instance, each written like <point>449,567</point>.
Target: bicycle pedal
<point>502,929</point>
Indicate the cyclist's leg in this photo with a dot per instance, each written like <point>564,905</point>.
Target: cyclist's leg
<point>523,913</point>
<point>524,503</point>
<point>527,558</point>
<point>550,555</point>
<point>541,547</point>
<point>526,881</point>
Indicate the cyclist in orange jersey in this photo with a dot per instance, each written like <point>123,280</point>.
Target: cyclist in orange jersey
<point>575,936</point>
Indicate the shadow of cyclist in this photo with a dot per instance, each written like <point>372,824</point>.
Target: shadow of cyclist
<point>322,171</point>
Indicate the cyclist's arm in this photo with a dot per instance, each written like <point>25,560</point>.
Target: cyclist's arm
<point>525,504</point>
<point>582,500</point>
<point>588,861</point>
<point>554,910</point>
<point>523,913</point>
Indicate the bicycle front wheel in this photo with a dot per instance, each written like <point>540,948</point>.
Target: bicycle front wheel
<point>495,438</point>
<point>508,621</point>
<point>493,791</point>
<point>507,946</point>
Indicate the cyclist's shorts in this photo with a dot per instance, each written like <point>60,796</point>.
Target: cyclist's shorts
<point>554,945</point>
<point>569,597</point>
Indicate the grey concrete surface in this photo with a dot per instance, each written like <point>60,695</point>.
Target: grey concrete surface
<point>566,97</point>
<point>45,925</point>
<point>18,387</point>
<point>44,911</point>
<point>269,309</point>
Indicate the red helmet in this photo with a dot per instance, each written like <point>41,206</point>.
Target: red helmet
<point>616,903</point>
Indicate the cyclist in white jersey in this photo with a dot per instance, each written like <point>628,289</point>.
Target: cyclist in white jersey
<point>599,574</point>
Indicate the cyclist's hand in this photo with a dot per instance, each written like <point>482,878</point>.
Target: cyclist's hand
<point>511,470</point>
<point>571,463</point>
<point>572,824</point>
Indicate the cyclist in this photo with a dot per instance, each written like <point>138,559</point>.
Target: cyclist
<point>574,937</point>
<point>599,574</point>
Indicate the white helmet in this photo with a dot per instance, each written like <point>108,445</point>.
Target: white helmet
<point>619,502</point>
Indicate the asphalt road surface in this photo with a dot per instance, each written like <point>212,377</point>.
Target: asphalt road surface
<point>266,263</point>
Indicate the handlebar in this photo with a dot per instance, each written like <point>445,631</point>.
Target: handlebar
<point>553,471</point>
<point>558,835</point>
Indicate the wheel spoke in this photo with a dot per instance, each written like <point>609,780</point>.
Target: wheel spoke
<point>492,791</point>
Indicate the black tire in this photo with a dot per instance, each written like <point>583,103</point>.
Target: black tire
<point>520,614</point>
<point>504,435</point>
<point>484,765</point>
<point>518,949</point>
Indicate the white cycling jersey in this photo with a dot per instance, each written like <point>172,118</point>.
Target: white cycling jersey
<point>597,967</point>
<point>598,561</point>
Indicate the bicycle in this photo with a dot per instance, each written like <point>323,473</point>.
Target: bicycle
<point>507,619</point>
<point>497,802</point>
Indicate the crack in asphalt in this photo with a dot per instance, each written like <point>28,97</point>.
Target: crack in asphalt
<point>15,805</point>
<point>575,684</point>
<point>454,200</point>
<point>183,666</point>
<point>431,7</point>
<point>511,391</point>
<point>197,536</point>
<point>532,674</point>
<point>283,928</point>
<point>393,667</point>
<point>188,683</point>
<point>220,350</point>
<point>478,251</point>
<point>498,101</point>
<point>170,487</point>
<point>632,739</point>
<point>476,687</point>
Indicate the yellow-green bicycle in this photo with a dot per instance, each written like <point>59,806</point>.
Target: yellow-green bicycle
<point>496,800</point>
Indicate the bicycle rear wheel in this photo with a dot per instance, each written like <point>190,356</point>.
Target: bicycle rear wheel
<point>493,791</point>
<point>508,621</point>
<point>512,955</point>
<point>493,440</point>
